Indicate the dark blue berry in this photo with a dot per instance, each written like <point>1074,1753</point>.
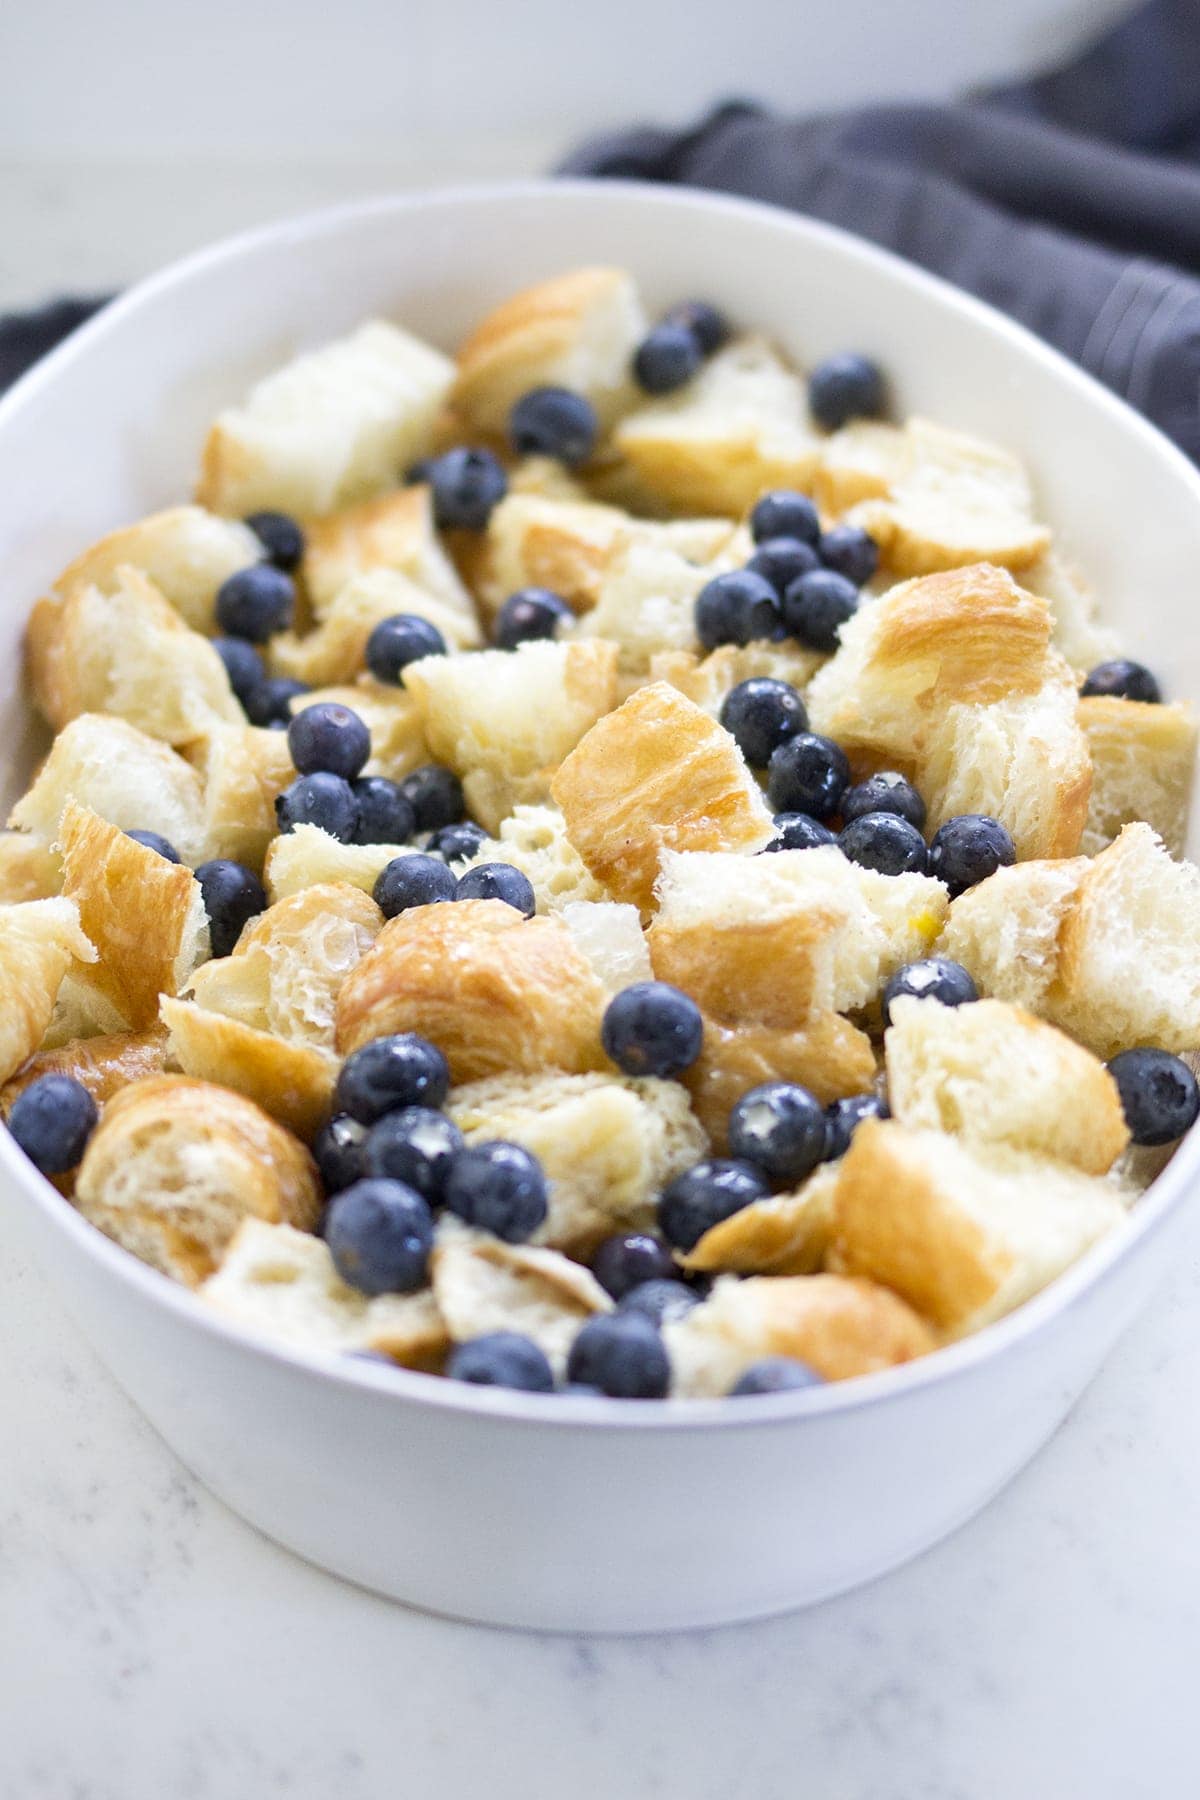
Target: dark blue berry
<point>808,774</point>
<point>270,703</point>
<point>500,1188</point>
<point>623,1355</point>
<point>329,738</point>
<point>389,1074</point>
<point>323,800</point>
<point>404,638</point>
<point>630,1258</point>
<point>467,487</point>
<point>846,387</point>
<point>498,881</point>
<point>1125,680</point>
<point>709,327</point>
<point>885,842</point>
<point>704,1195</point>
<point>775,1375</point>
<point>554,421</point>
<point>761,714</point>
<point>667,358</point>
<point>457,843</point>
<point>256,603</point>
<point>415,1145</point>
<point>935,978</point>
<point>845,1116</point>
<point>51,1121</point>
<point>967,849</point>
<point>817,606</point>
<point>736,608</point>
<point>1158,1094</point>
<point>232,894</point>
<point>384,815</point>
<point>419,471</point>
<point>652,1029</point>
<point>850,551</point>
<point>280,537</point>
<point>885,792</point>
<point>436,796</point>
<point>502,1359</point>
<point>782,561</point>
<point>660,1300</point>
<point>529,614</point>
<point>780,1128</point>
<point>338,1152</point>
<point>787,514</point>
<point>380,1234</point>
<point>414,880</point>
<point>153,840</point>
<point>798,832</point>
<point>243,665</point>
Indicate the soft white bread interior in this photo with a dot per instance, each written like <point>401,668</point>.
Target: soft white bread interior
<point>534,839</point>
<point>1076,630</point>
<point>308,857</point>
<point>394,532</point>
<point>1143,762</point>
<point>185,552</point>
<point>608,1145</point>
<point>481,1285</point>
<point>282,1284</point>
<point>646,602</point>
<point>992,1073</point>
<point>504,720</point>
<point>40,940</point>
<point>337,424</point>
<point>1005,930</point>
<point>707,680</point>
<point>175,1165</point>
<point>243,769</point>
<point>336,649</point>
<point>577,330</point>
<point>787,1234</point>
<point>29,868</point>
<point>610,935</point>
<point>964,1233</point>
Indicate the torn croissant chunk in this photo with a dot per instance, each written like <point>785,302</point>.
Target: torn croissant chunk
<point>40,940</point>
<point>482,1284</point>
<point>185,552</point>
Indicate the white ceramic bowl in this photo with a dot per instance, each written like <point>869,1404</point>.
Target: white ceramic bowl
<point>579,1514</point>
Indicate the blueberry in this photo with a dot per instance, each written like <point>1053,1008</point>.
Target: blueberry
<point>419,471</point>
<point>256,602</point>
<point>498,881</point>
<point>936,978</point>
<point>500,1188</point>
<point>845,1116</point>
<point>1158,1094</point>
<point>885,792</point>
<point>323,800</point>
<point>850,551</point>
<point>817,606</point>
<point>761,714</point>
<point>660,1300</point>
<point>414,880</point>
<point>785,513</point>
<point>404,638</point>
<point>630,1258</point>
<point>51,1121</point>
<point>380,1234</point>
<point>780,1128</point>
<point>389,1074</point>
<point>554,421</point>
<point>467,487</point>
<point>796,831</point>
<point>232,894</point>
<point>457,843</point>
<point>667,358</point>
<point>415,1145</point>
<point>704,1195</point>
<point>384,815</point>
<point>775,1375</point>
<point>270,703</point>
<point>338,1152</point>
<point>846,387</point>
<point>330,739</point>
<point>885,842</point>
<point>808,774</point>
<point>967,849</point>
<point>243,665</point>
<point>623,1355</point>
<point>709,327</point>
<point>153,840</point>
<point>528,614</point>
<point>280,537</point>
<point>736,608</point>
<point>436,796</point>
<point>1124,679</point>
<point>502,1359</point>
<point>652,1029</point>
<point>782,561</point>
